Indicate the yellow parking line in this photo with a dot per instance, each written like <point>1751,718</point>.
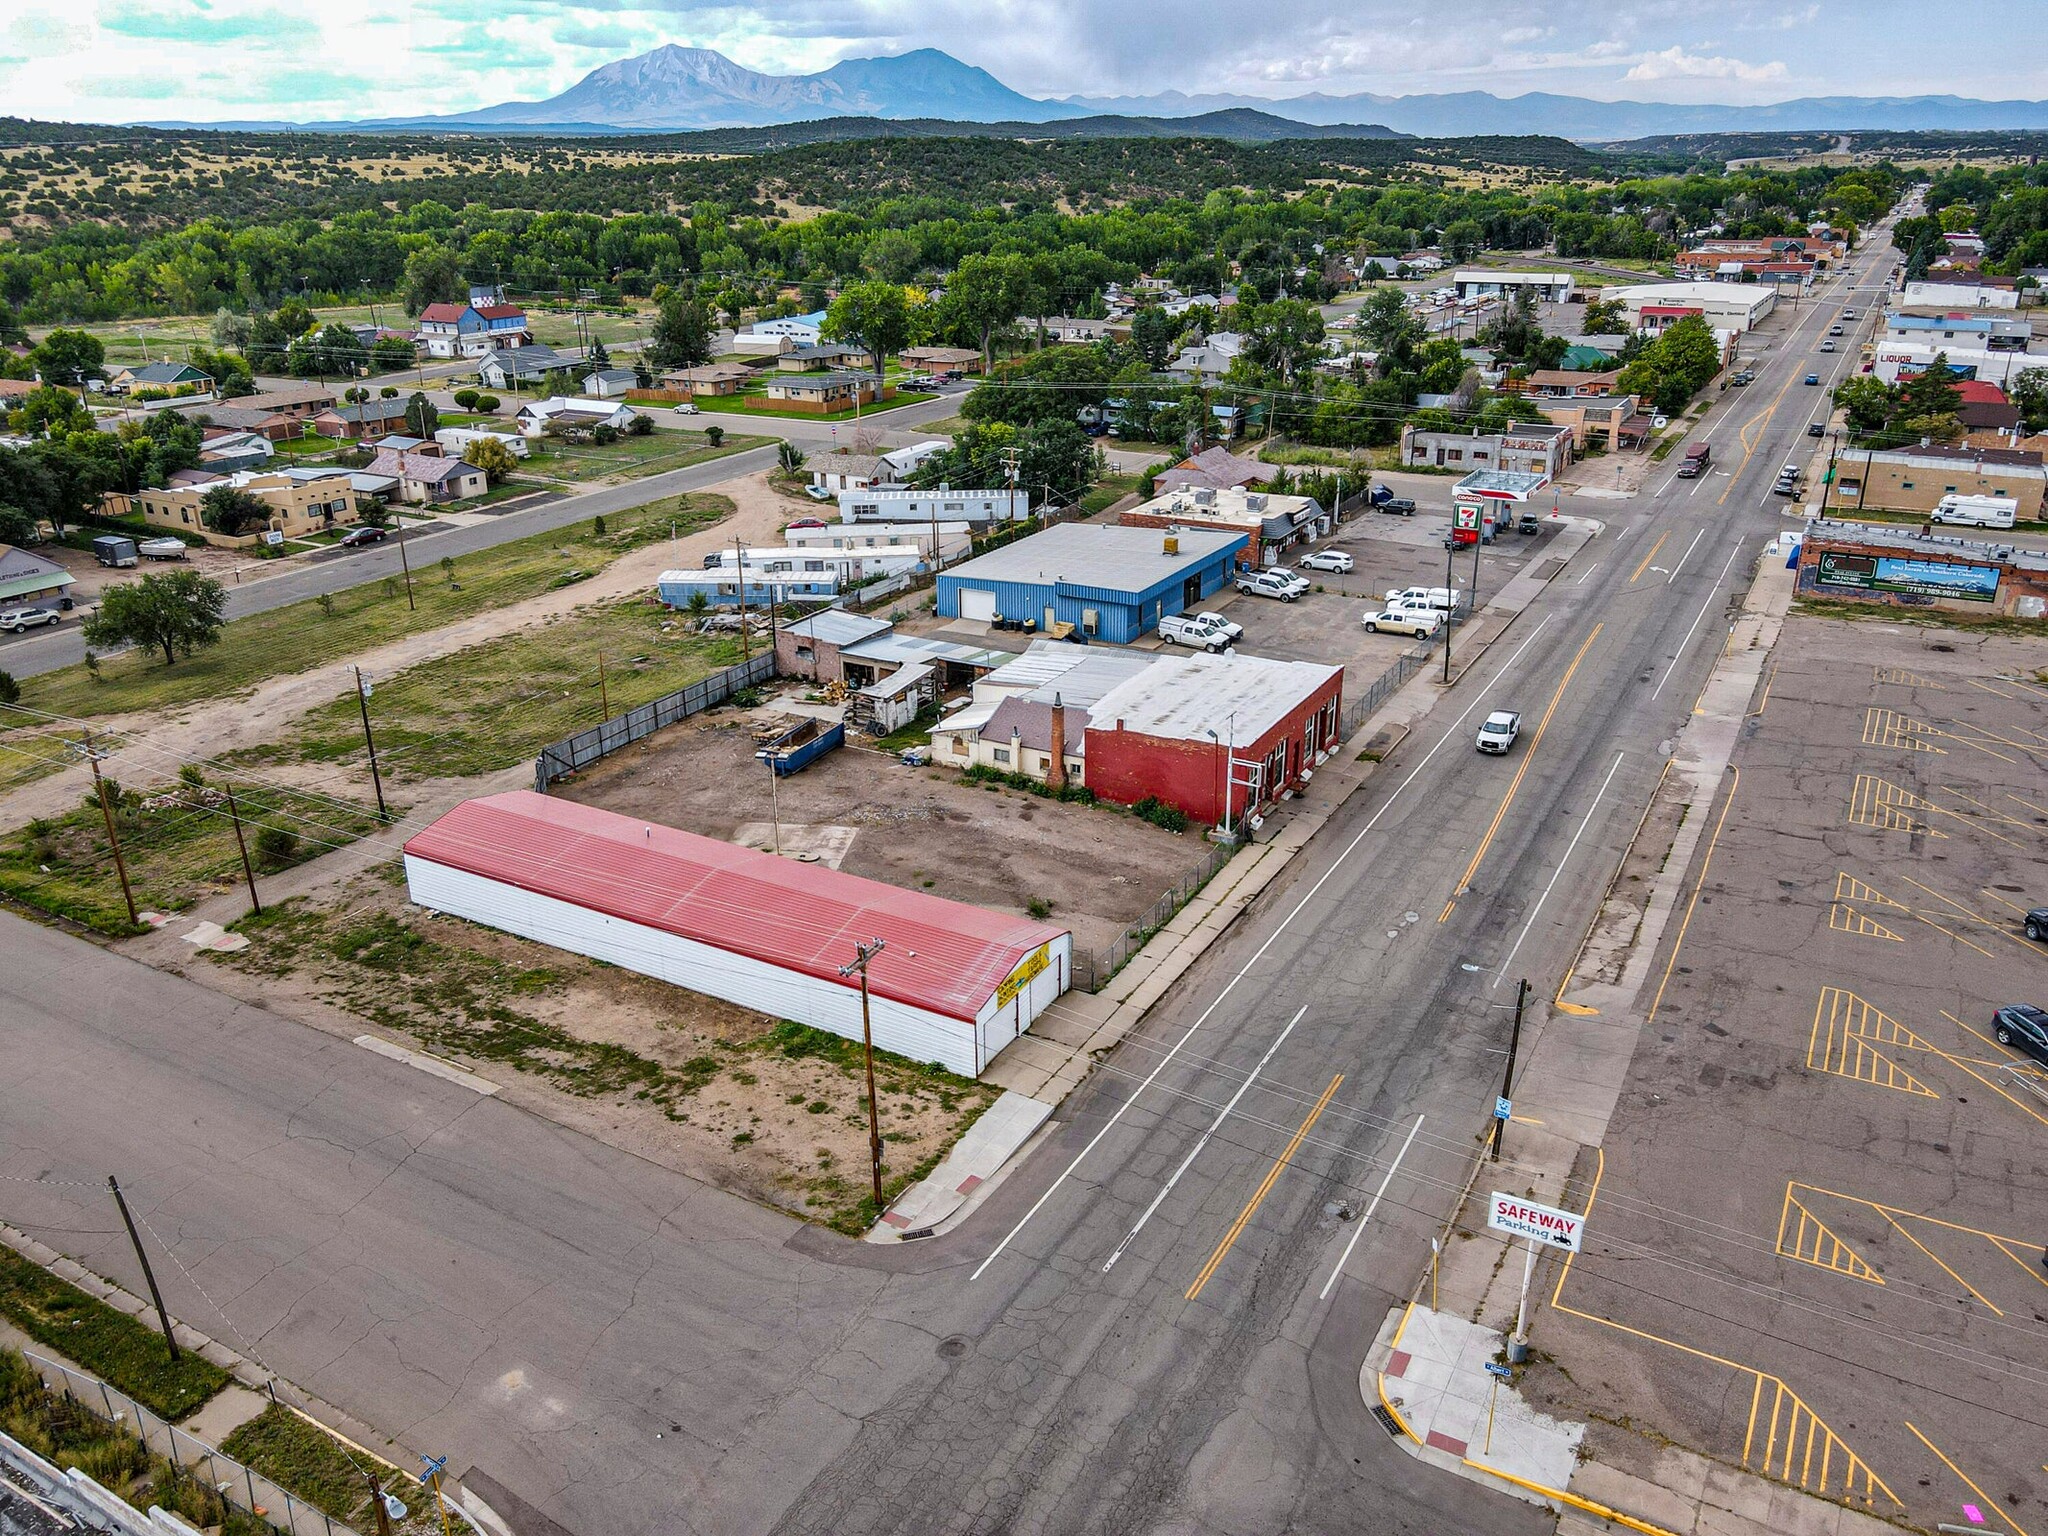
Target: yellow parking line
<point>2003,1511</point>
<point>1528,756</point>
<point>1637,574</point>
<point>1252,1205</point>
<point>1705,864</point>
<point>1959,1280</point>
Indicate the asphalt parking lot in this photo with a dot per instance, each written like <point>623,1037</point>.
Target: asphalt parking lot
<point>1817,1223</point>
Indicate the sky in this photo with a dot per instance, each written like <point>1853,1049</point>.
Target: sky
<point>208,60</point>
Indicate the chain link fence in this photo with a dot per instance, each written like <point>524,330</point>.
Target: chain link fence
<point>1093,968</point>
<point>601,740</point>
<point>246,1489</point>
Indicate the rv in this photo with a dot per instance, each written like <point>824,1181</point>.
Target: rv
<point>1974,511</point>
<point>1695,462</point>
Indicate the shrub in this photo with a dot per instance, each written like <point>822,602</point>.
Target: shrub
<point>10,690</point>
<point>597,527</point>
<point>714,435</point>
<point>1039,908</point>
<point>190,775</point>
<point>1171,817</point>
<point>642,426</point>
<point>275,846</point>
<point>388,392</point>
<point>466,398</point>
<point>487,403</point>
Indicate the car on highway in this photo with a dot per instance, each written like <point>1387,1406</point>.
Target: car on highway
<point>2022,1027</point>
<point>1179,629</point>
<point>687,409</point>
<point>1813,378</point>
<point>1834,330</point>
<point>1268,584</point>
<point>1233,630</point>
<point>1327,560</point>
<point>356,538</point>
<point>1500,731</point>
<point>1815,429</point>
<point>2036,923</point>
<point>1421,622</point>
<point>1827,346</point>
<point>1848,314</point>
<point>817,493</point>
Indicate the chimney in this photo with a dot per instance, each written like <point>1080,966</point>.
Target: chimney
<point>1056,765</point>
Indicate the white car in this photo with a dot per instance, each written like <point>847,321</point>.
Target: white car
<point>1269,584</point>
<point>818,493</point>
<point>687,409</point>
<point>1420,622</point>
<point>1502,727</point>
<point>1232,630</point>
<point>1328,560</point>
<point>1179,629</point>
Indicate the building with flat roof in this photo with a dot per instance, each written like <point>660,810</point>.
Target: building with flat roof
<point>1269,522</point>
<point>1481,283</point>
<point>1538,448</point>
<point>1109,584</point>
<point>297,507</point>
<point>952,983</point>
<point>1961,291</point>
<point>1862,562</point>
<point>1219,736</point>
<point>1892,360</point>
<point>893,504</point>
<point>1915,479</point>
<point>1724,306</point>
<point>1989,332</point>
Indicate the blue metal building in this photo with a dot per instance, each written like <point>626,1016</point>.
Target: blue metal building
<point>1111,584</point>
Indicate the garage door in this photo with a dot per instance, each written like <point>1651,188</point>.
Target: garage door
<point>977,604</point>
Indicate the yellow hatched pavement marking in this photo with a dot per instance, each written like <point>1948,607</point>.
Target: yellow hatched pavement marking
<point>2004,1515</point>
<point>1846,918</point>
<point>2023,1252</point>
<point>1795,1446</point>
<point>1846,1033</point>
<point>1906,679</point>
<point>1875,802</point>
<point>1889,728</point>
<point>1811,1241</point>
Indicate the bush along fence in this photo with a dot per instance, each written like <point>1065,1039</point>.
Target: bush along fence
<point>240,1486</point>
<point>1094,967</point>
<point>600,741</point>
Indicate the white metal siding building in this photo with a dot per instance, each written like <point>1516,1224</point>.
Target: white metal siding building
<point>954,983</point>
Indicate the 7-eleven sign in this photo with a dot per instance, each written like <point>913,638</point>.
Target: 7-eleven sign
<point>1465,517</point>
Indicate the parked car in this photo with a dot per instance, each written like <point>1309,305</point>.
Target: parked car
<point>2037,924</point>
<point>1442,599</point>
<point>1396,506</point>
<point>819,493</point>
<point>1500,731</point>
<point>1230,627</point>
<point>1815,429</point>
<point>1421,622</point>
<point>688,409</point>
<point>1268,584</point>
<point>356,538</point>
<point>20,619</point>
<point>1300,582</point>
<point>1813,378</point>
<point>806,522</point>
<point>1328,560</point>
<point>1528,522</point>
<point>2024,1028</point>
<point>1179,629</point>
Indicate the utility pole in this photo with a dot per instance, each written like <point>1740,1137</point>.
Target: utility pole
<point>376,779</point>
<point>399,518</point>
<point>863,954</point>
<point>148,1274</point>
<point>248,873</point>
<point>1450,603</point>
<point>739,555</point>
<point>1009,457</point>
<point>1507,1081</point>
<point>93,756</point>
<point>377,1505</point>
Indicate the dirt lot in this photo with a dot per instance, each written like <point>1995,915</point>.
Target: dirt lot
<point>1097,868</point>
<point>769,1110</point>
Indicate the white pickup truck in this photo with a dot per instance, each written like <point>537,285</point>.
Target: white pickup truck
<point>1442,599</point>
<point>1179,629</point>
<point>1285,586</point>
<point>1232,630</point>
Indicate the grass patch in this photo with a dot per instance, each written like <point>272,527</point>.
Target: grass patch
<point>760,405</point>
<point>1106,491</point>
<point>488,706</point>
<point>28,755</point>
<point>1926,618</point>
<point>300,636</point>
<point>310,1464</point>
<point>179,843</point>
<point>654,454</point>
<point>110,1344</point>
<point>915,734</point>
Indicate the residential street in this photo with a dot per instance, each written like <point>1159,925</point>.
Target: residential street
<point>1123,1339</point>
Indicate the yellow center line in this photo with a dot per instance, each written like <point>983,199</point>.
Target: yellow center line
<point>1636,575</point>
<point>1445,915</point>
<point>1252,1205</point>
<point>2004,1512</point>
<point>1762,419</point>
<point>1529,756</point>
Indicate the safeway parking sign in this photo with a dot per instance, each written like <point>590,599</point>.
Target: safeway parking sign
<point>1539,1223</point>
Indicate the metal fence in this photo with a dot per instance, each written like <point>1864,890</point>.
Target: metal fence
<point>242,1487</point>
<point>600,741</point>
<point>1381,688</point>
<point>1094,967</point>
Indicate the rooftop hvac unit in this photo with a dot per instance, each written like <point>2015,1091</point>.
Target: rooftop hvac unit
<point>1205,498</point>
<point>1255,502</point>
<point>1172,544</point>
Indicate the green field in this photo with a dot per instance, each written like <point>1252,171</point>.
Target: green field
<point>756,404</point>
<point>654,454</point>
<point>304,635</point>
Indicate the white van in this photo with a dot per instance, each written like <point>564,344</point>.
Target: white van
<point>1974,511</point>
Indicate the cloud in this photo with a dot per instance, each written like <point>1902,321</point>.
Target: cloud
<point>1674,63</point>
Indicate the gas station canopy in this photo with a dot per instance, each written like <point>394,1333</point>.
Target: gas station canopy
<point>1498,485</point>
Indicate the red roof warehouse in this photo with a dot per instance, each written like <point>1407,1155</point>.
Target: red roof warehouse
<point>1185,728</point>
<point>954,983</point>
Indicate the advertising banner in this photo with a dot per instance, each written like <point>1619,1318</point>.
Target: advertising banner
<point>1911,578</point>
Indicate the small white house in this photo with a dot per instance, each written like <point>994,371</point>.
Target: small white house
<point>610,383</point>
<point>573,411</point>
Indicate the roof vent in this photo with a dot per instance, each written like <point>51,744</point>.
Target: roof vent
<point>1172,545</point>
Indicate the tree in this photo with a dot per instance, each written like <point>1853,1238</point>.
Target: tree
<point>1463,239</point>
<point>230,374</point>
<point>16,526</point>
<point>466,399</point>
<point>422,419</point>
<point>69,357</point>
<point>2028,389</point>
<point>1285,338</point>
<point>391,353</point>
<point>1388,327</point>
<point>1609,317</point>
<point>11,332</point>
<point>486,404</point>
<point>231,511</point>
<point>230,329</point>
<point>788,457</point>
<point>682,332</point>
<point>333,349</point>
<point>985,294</point>
<point>874,316</point>
<point>643,376</point>
<point>492,457</point>
<point>10,690</point>
<point>50,410</point>
<point>1866,400</point>
<point>432,276</point>
<point>1055,455</point>
<point>1153,332</point>
<point>175,613</point>
<point>714,435</point>
<point>1931,392</point>
<point>599,357</point>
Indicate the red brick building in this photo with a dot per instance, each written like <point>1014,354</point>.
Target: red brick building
<point>1217,736</point>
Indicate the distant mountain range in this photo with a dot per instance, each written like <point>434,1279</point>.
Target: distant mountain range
<point>674,89</point>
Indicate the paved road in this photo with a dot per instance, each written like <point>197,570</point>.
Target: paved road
<point>629,1351</point>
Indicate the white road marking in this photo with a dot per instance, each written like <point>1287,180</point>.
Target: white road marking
<point>1589,571</point>
<point>1366,1220</point>
<point>1684,557</point>
<point>1687,640</point>
<point>1195,1151</point>
<point>1257,955</point>
<point>1585,821</point>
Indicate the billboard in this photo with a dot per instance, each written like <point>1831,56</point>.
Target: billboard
<point>1910,578</point>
